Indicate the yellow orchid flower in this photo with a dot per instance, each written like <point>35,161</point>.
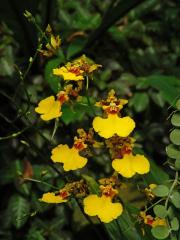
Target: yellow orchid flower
<point>103,207</point>
<point>129,165</point>
<point>49,108</point>
<point>69,157</point>
<point>77,69</point>
<point>86,64</point>
<point>52,198</point>
<point>113,124</point>
<point>69,74</point>
<point>151,221</point>
<point>52,46</point>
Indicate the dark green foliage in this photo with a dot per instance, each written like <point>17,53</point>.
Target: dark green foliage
<point>137,43</point>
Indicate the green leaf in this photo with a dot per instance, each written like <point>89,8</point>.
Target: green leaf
<point>10,172</point>
<point>177,164</point>
<point>156,174</point>
<point>160,232</point>
<point>173,151</point>
<point>158,99</point>
<point>71,114</point>
<point>54,81</point>
<point>175,198</point>
<point>175,120</point>
<point>127,226</point>
<point>75,47</point>
<point>46,174</point>
<point>139,101</point>
<point>178,104</point>
<point>175,136</point>
<point>34,235</point>
<point>112,229</point>
<point>93,185</point>
<point>161,191</point>
<point>115,11</point>
<point>160,211</point>
<point>75,112</point>
<point>168,86</point>
<point>19,209</point>
<point>171,212</point>
<point>174,224</point>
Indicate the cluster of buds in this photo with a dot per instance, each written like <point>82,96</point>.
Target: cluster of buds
<point>88,138</point>
<point>77,70</point>
<point>119,146</point>
<point>112,181</point>
<point>148,191</point>
<point>53,45</point>
<point>78,189</point>
<point>70,92</point>
<point>108,191</point>
<point>109,186</point>
<point>112,105</point>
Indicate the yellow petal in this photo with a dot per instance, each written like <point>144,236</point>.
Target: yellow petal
<point>109,211</point>
<point>124,126</point>
<point>129,165</point>
<point>140,164</point>
<point>45,105</point>
<point>124,166</point>
<point>93,67</point>
<point>49,108</point>
<point>68,76</point>
<point>102,207</point>
<point>69,157</point>
<point>55,41</point>
<point>60,153</point>
<point>52,198</point>
<point>92,204</point>
<point>107,127</point>
<point>152,186</point>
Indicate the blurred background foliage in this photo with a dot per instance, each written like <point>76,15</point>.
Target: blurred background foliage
<point>137,42</point>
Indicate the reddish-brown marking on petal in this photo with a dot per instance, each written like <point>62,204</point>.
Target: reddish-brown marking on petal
<point>63,194</point>
<point>150,221</point>
<point>126,150</point>
<point>79,145</point>
<point>62,97</point>
<point>75,70</point>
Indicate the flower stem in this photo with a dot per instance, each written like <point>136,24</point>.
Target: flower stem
<point>39,181</point>
<point>171,189</point>
<point>87,96</point>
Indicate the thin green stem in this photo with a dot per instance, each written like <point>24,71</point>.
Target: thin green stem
<point>87,95</point>
<point>39,181</point>
<point>55,128</point>
<point>14,135</point>
<point>168,197</point>
<point>147,209</point>
<point>87,83</point>
<point>171,189</point>
<point>40,30</point>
